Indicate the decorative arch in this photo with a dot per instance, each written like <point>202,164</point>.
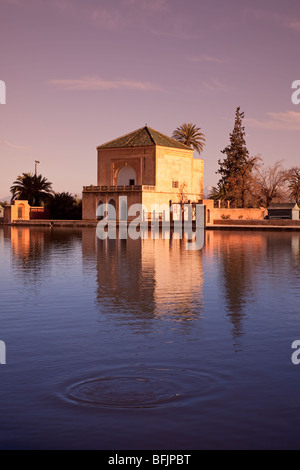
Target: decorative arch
<point>208,216</point>
<point>126,176</point>
<point>21,211</point>
<point>112,209</point>
<point>99,212</point>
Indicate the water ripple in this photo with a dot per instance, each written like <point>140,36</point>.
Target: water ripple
<point>140,388</point>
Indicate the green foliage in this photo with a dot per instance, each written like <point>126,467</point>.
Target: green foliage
<point>190,135</point>
<point>64,206</point>
<point>218,192</point>
<point>236,168</point>
<point>32,188</point>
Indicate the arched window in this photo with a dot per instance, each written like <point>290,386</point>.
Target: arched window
<point>208,216</point>
<point>111,209</point>
<point>99,210</point>
<point>21,211</point>
<point>126,176</point>
<point>123,211</point>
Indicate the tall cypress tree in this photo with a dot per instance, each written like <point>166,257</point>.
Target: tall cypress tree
<point>235,169</point>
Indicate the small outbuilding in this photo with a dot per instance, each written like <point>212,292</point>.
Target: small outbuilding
<point>286,210</point>
<point>21,210</point>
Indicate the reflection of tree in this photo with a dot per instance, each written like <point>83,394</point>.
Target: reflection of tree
<point>246,261</point>
<point>139,280</point>
<point>239,253</point>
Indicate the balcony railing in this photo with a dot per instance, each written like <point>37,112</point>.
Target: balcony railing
<point>133,187</point>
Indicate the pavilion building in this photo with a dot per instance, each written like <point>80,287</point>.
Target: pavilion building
<point>148,168</point>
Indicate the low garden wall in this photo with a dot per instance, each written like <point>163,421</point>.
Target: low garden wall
<point>266,222</point>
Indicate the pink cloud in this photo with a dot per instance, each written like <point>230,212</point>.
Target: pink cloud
<point>271,16</point>
<point>14,146</point>
<point>208,58</point>
<point>215,85</point>
<point>289,120</point>
<point>97,84</point>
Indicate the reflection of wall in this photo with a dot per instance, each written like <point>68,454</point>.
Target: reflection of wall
<point>121,279</point>
<point>145,278</point>
<point>178,276</point>
<point>20,241</point>
<point>296,246</point>
<point>31,247</point>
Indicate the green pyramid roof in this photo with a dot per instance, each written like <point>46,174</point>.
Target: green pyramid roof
<point>145,136</point>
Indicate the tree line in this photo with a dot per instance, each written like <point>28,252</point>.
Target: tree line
<point>37,190</point>
<point>245,181</point>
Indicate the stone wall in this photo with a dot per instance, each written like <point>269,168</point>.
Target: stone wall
<point>213,214</point>
<point>141,159</point>
<point>266,223</point>
<point>176,165</point>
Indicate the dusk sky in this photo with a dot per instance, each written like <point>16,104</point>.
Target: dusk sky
<point>80,73</point>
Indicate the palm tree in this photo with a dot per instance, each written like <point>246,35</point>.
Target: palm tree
<point>32,188</point>
<point>64,206</point>
<point>218,193</point>
<point>190,135</point>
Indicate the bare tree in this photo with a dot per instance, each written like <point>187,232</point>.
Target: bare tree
<point>182,194</point>
<point>293,177</point>
<point>269,183</point>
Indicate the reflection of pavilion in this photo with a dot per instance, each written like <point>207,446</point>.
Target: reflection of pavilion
<point>146,278</point>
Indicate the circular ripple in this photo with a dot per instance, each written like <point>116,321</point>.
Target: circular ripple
<point>152,388</point>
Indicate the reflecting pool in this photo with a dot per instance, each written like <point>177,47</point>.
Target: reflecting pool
<point>142,344</point>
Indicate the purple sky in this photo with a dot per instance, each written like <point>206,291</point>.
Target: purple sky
<point>79,73</point>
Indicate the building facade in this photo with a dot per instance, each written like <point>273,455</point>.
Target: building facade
<point>148,168</point>
<point>286,210</point>
<point>20,210</point>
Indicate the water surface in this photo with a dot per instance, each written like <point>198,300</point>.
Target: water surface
<point>141,344</point>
